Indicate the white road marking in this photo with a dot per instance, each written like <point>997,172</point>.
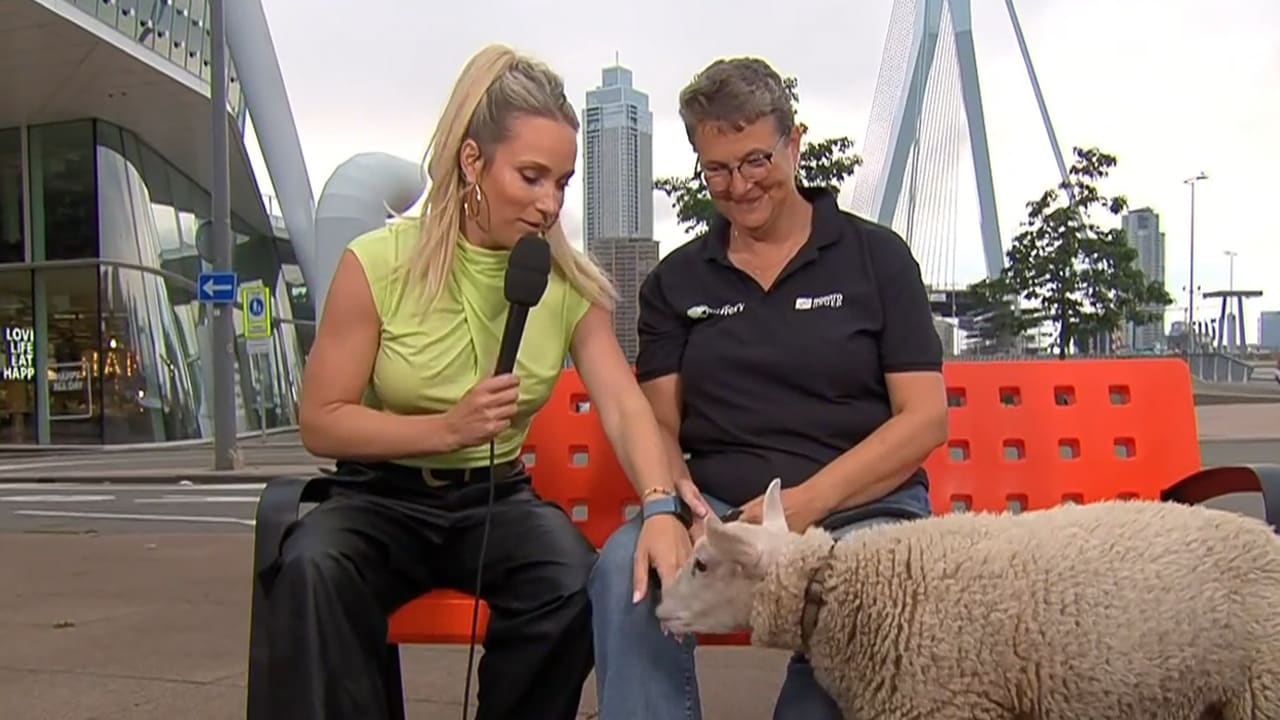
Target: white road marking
<point>57,463</point>
<point>55,498</point>
<point>211,486</point>
<point>133,516</point>
<point>200,499</point>
<point>133,487</point>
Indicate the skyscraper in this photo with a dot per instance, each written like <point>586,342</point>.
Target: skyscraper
<point>617,128</point>
<point>1142,228</point>
<point>617,200</point>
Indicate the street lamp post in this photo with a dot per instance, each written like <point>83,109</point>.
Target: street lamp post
<point>1191,269</point>
<point>1231,269</point>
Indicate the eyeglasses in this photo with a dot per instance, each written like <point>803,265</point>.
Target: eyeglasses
<point>753,168</point>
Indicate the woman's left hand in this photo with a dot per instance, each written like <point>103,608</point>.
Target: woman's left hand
<point>801,504</point>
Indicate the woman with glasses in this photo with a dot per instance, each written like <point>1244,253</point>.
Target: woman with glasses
<point>792,340</point>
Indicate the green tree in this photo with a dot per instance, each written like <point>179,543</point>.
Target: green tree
<point>1066,269</point>
<point>823,163</point>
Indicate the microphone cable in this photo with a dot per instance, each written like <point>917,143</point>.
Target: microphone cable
<point>475,601</point>
<point>531,255</point>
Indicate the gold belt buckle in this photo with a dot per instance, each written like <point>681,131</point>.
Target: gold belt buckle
<point>431,479</point>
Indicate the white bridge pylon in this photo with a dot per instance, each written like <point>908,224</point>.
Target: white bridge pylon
<point>927,108</point>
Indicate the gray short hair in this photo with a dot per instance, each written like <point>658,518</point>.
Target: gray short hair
<point>736,92</point>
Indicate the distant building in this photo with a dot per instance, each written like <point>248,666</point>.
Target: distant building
<point>617,200</point>
<point>949,334</point>
<point>1142,228</point>
<point>617,156</point>
<point>628,261</point>
<point>1269,329</point>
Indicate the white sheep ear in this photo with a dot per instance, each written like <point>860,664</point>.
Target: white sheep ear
<point>775,517</point>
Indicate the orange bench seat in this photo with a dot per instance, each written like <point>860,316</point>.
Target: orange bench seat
<point>1023,435</point>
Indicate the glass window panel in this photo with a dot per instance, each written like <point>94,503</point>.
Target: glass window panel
<point>63,193</point>
<point>206,68</point>
<point>17,359</point>
<point>164,28</point>
<point>75,393</point>
<point>146,12</point>
<point>181,29</point>
<point>196,37</point>
<point>12,248</point>
<point>108,12</point>
<point>127,18</point>
<point>192,205</point>
<point>155,172</point>
<point>132,219</point>
<point>153,383</point>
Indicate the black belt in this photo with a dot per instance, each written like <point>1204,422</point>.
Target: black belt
<point>434,477</point>
<point>437,477</point>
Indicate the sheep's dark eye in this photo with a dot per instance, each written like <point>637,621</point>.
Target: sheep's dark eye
<point>699,566</point>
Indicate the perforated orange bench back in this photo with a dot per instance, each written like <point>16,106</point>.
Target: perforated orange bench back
<point>1034,434</point>
<point>574,465</point>
<point>1024,435</point>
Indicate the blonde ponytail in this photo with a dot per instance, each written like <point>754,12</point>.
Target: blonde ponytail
<point>494,86</point>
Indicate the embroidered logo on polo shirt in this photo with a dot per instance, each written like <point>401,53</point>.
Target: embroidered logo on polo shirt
<point>701,312</point>
<point>832,300</point>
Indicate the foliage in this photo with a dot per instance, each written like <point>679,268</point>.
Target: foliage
<point>823,163</point>
<point>1066,269</point>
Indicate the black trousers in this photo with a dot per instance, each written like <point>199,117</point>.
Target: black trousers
<point>386,537</point>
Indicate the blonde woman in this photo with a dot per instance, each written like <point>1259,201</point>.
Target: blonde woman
<point>399,389</point>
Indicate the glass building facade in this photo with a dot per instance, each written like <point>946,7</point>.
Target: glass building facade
<point>104,341</point>
<point>175,30</point>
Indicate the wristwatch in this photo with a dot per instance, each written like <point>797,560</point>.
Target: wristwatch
<point>667,504</point>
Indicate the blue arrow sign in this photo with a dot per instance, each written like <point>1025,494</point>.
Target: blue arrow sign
<point>257,307</point>
<point>216,287</point>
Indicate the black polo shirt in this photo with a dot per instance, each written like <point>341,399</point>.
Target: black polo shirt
<point>780,383</point>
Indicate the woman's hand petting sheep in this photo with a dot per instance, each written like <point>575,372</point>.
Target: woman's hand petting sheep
<point>664,546</point>
<point>803,506</point>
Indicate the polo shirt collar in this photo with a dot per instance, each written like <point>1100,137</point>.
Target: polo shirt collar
<point>825,230</point>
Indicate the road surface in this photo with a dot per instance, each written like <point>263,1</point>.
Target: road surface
<point>104,507</point>
<point>146,507</point>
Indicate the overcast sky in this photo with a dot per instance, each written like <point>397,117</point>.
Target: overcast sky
<point>1171,87</point>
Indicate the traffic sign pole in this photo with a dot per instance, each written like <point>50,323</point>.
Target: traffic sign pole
<point>225,456</point>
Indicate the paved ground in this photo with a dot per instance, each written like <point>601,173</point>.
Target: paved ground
<point>123,597</point>
<point>154,626</point>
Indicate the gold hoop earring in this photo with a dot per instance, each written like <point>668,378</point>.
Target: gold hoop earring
<point>471,201</point>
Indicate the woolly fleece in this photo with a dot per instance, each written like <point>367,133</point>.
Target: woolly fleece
<point>1124,609</point>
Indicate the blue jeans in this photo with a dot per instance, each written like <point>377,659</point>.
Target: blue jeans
<point>644,674</point>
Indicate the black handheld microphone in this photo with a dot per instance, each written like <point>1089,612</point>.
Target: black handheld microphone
<point>527,271</point>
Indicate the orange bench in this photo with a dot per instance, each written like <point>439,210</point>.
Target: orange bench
<point>1023,435</point>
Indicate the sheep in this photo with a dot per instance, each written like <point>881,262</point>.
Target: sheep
<point>1138,610</point>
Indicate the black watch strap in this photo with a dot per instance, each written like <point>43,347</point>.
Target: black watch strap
<point>667,504</point>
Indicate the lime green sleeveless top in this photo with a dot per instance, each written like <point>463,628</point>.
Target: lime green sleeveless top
<point>427,361</point>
